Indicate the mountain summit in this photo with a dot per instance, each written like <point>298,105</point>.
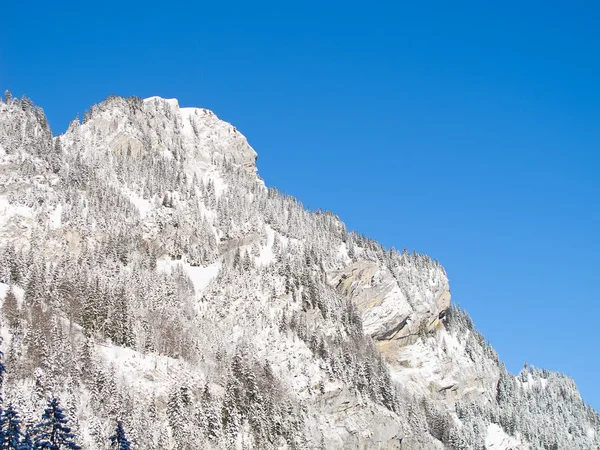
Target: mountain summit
<point>148,274</point>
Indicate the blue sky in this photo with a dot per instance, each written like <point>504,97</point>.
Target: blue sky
<point>468,132</point>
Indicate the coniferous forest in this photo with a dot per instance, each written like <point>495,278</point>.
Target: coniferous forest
<point>51,432</point>
<point>156,294</point>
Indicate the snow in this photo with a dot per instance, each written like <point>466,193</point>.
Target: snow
<point>531,382</point>
<point>218,182</point>
<point>199,276</point>
<point>55,217</point>
<point>8,211</point>
<point>342,253</point>
<point>208,136</point>
<point>206,213</point>
<point>497,439</point>
<point>149,373</point>
<point>173,102</point>
<point>202,276</point>
<point>140,203</point>
<point>266,253</point>
<point>187,114</point>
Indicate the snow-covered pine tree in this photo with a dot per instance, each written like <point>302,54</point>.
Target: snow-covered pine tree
<point>52,432</point>
<point>118,441</point>
<point>26,442</point>
<point>10,308</point>
<point>11,437</point>
<point>2,374</point>
<point>175,414</point>
<point>55,156</point>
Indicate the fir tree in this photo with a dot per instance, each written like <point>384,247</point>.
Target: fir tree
<point>119,440</point>
<point>2,371</point>
<point>175,414</point>
<point>11,436</point>
<point>3,418</point>
<point>53,433</point>
<point>55,155</point>
<point>26,443</point>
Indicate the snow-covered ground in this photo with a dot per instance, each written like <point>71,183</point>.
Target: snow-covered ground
<point>497,439</point>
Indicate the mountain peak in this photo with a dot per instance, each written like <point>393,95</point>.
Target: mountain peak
<point>160,125</point>
<point>171,101</point>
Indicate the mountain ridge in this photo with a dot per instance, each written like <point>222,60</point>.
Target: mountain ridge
<point>352,333</point>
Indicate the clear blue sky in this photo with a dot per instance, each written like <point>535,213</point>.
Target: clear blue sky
<point>467,132</point>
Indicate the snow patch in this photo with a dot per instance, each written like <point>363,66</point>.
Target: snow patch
<point>9,211</point>
<point>496,439</point>
<point>55,217</point>
<point>202,276</point>
<point>342,254</point>
<point>199,276</point>
<point>266,253</point>
<point>140,203</point>
<point>149,373</point>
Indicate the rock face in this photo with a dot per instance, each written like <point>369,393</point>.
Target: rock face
<point>157,125</point>
<point>158,279</point>
<point>397,310</point>
<point>391,311</point>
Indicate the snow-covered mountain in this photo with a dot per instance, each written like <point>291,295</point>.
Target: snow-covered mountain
<point>148,274</point>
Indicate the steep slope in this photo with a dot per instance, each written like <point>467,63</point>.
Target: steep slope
<point>149,274</point>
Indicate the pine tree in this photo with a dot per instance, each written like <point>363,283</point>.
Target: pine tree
<point>175,414</point>
<point>26,443</point>
<point>119,440</point>
<point>53,433</point>
<point>247,264</point>
<point>2,372</point>
<point>55,155</point>
<point>14,260</point>
<point>3,435</point>
<point>11,436</point>
<point>236,258</point>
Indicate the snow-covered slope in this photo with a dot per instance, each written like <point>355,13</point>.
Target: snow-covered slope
<point>157,279</point>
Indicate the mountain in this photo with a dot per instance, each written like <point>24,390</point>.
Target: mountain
<point>148,274</point>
